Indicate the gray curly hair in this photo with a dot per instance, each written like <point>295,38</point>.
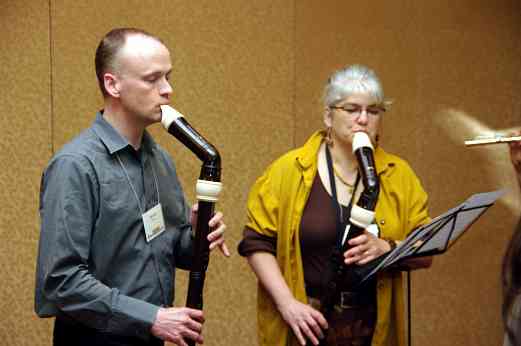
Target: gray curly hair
<point>354,79</point>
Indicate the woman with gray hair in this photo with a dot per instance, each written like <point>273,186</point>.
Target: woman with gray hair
<point>295,210</point>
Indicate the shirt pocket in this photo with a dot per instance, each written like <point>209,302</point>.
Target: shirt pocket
<point>116,194</point>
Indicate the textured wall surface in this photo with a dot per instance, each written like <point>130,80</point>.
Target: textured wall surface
<point>25,147</point>
<point>249,76</point>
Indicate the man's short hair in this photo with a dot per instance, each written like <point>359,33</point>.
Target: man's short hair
<point>108,48</point>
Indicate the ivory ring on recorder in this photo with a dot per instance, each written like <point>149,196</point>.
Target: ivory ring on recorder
<point>361,217</point>
<point>207,190</point>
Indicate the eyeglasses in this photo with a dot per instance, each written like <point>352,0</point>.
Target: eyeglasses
<point>356,110</point>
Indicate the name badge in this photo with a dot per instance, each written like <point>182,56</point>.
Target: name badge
<point>154,222</point>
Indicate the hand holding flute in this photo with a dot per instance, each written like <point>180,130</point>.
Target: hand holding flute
<point>515,156</point>
<point>513,139</point>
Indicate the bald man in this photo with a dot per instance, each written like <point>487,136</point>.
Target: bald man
<point>114,220</point>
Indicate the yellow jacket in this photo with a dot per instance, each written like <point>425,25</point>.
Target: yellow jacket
<point>275,206</point>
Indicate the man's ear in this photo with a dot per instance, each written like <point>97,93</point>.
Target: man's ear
<point>111,83</point>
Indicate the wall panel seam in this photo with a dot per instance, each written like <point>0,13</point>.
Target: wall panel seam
<point>294,74</point>
<point>51,82</point>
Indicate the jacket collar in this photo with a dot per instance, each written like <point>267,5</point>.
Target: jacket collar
<point>307,155</point>
<point>384,161</point>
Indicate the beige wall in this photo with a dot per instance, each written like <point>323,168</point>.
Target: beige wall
<point>438,60</point>
<point>248,75</point>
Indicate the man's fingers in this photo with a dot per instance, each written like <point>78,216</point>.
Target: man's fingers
<point>224,249</point>
<point>177,341</point>
<point>216,219</point>
<point>195,314</point>
<point>197,337</point>
<point>216,238</point>
<point>219,232</point>
<point>194,326</point>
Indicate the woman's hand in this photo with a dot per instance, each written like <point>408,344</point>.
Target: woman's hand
<point>306,322</point>
<point>365,248</point>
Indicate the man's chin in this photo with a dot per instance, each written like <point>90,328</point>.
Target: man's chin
<point>151,118</point>
<point>155,115</point>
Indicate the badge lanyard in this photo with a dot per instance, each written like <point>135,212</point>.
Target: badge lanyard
<point>153,219</point>
<point>341,224</point>
<point>132,186</point>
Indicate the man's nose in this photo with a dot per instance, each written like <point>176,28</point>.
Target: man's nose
<point>166,88</point>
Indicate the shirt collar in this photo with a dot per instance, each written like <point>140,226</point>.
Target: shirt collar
<point>113,140</point>
<point>148,144</point>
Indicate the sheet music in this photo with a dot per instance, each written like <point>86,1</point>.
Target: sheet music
<point>406,248</point>
<point>441,232</point>
<point>423,238</point>
<point>480,202</point>
<point>473,207</point>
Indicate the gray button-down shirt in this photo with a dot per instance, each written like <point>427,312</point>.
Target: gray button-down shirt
<point>94,264</point>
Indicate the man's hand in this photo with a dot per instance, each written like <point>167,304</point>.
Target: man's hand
<point>177,324</point>
<point>216,237</point>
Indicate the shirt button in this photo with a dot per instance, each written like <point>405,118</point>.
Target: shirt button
<point>382,222</point>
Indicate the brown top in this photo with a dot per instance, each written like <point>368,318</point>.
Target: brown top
<point>348,327</point>
<point>317,237</point>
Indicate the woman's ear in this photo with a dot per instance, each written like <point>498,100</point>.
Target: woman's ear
<point>327,117</point>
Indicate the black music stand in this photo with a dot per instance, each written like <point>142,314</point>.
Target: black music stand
<point>431,239</point>
<point>437,236</point>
